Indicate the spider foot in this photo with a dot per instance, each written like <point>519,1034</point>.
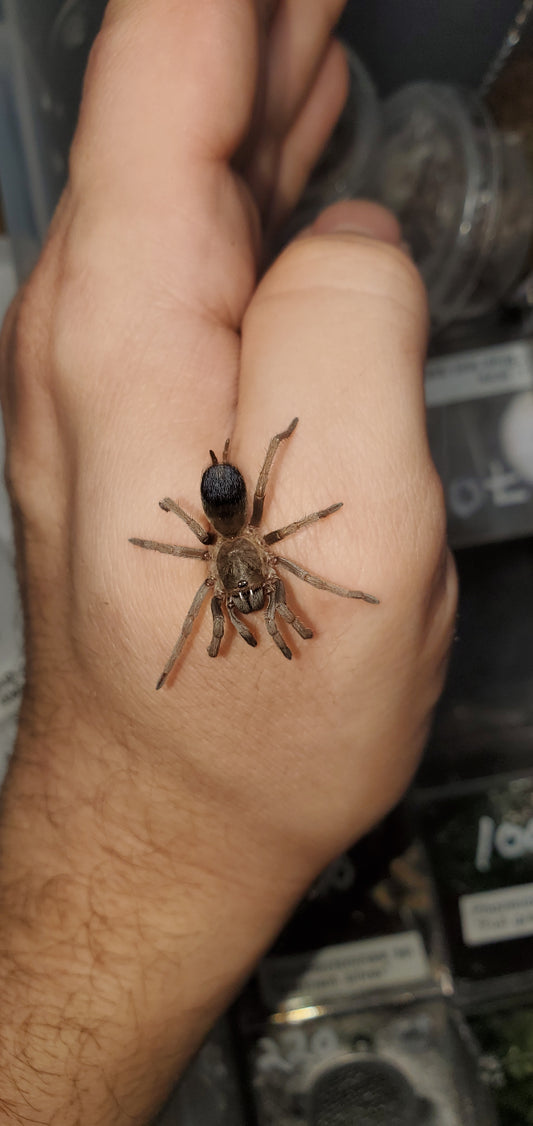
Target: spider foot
<point>287,614</point>
<point>323,584</point>
<point>281,644</point>
<point>218,627</point>
<point>270,620</point>
<point>242,630</point>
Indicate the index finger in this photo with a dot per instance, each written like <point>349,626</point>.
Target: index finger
<point>166,81</point>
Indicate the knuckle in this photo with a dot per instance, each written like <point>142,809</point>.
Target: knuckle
<point>106,47</point>
<point>26,388</point>
<point>429,518</point>
<point>420,587</point>
<point>99,66</point>
<point>356,264</point>
<point>22,352</point>
<point>110,45</point>
<point>23,331</point>
<point>416,535</point>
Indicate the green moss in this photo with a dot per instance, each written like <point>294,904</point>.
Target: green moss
<point>506,1042</point>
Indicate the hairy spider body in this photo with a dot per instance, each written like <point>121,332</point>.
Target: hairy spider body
<point>242,565</point>
<point>242,570</point>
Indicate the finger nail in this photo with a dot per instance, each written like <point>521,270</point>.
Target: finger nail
<point>359,217</point>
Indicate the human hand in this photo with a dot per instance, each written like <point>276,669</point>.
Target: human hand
<point>183,825</point>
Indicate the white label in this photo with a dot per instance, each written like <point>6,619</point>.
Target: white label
<point>492,916</point>
<point>337,972</point>
<point>478,374</point>
<point>511,841</point>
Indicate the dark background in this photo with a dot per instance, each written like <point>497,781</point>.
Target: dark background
<point>447,40</point>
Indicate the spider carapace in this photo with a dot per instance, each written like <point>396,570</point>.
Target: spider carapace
<point>242,570</point>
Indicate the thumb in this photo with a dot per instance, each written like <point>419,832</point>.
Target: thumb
<point>336,335</point>
<point>357,217</point>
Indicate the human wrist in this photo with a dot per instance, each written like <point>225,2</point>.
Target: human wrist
<point>118,927</point>
<point>82,798</point>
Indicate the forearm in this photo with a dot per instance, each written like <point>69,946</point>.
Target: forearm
<point>152,843</point>
<point>123,934</point>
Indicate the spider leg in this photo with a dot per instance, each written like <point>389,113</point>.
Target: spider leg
<point>322,584</point>
<point>287,614</point>
<point>169,505</point>
<point>185,630</point>
<point>218,626</point>
<point>172,549</point>
<point>270,621</point>
<point>260,488</point>
<point>289,529</point>
<point>242,630</point>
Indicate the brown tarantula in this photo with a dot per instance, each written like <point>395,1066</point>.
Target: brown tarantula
<point>242,570</point>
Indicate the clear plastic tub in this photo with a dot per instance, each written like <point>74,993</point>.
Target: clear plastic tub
<point>463,193</point>
<point>342,170</point>
<point>43,51</point>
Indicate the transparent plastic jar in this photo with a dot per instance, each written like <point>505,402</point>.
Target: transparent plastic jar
<point>342,170</point>
<point>44,46</point>
<point>463,193</point>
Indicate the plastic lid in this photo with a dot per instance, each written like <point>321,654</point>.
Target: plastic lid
<point>343,167</point>
<point>368,1091</point>
<point>460,192</point>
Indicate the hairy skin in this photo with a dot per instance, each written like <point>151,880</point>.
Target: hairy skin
<point>153,844</point>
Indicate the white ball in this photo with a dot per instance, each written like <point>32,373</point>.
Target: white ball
<point>516,435</point>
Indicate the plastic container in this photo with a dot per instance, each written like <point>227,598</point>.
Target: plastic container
<point>44,46</point>
<point>385,1066</point>
<point>342,170</point>
<point>463,193</point>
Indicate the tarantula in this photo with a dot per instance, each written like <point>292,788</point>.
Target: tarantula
<point>242,570</point>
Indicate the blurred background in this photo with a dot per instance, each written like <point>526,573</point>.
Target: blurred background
<point>402,990</point>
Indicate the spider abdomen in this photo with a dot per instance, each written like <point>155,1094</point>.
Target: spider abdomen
<point>223,494</point>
